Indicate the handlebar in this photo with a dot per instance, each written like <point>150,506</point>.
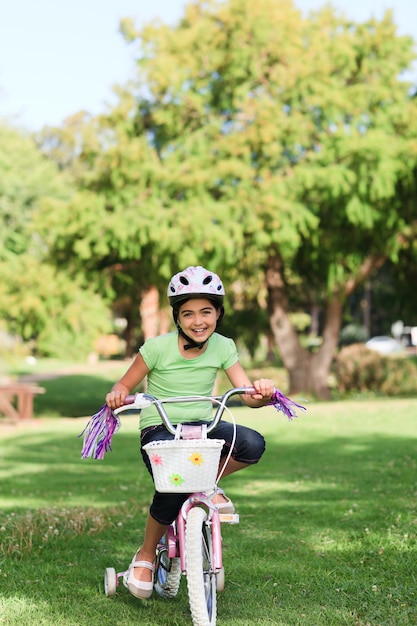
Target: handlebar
<point>141,400</point>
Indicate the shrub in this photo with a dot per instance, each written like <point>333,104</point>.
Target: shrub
<point>401,379</point>
<point>351,334</point>
<point>362,370</point>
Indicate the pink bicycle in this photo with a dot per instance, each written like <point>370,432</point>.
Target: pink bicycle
<point>189,463</point>
<point>192,545</point>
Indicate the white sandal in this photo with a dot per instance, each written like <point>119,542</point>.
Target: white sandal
<point>139,588</point>
<point>222,507</point>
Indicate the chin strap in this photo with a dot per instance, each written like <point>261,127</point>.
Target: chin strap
<point>191,343</point>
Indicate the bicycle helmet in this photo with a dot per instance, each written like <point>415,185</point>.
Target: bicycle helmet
<point>195,282</point>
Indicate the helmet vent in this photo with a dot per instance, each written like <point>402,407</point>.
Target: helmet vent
<point>207,280</point>
<point>184,280</point>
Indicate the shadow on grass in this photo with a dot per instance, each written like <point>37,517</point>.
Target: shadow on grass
<point>327,529</point>
<point>365,475</point>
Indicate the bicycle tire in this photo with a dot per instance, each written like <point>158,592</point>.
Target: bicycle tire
<point>201,577</point>
<point>168,572</point>
<point>110,582</point>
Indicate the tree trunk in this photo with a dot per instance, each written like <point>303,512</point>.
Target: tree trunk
<point>307,372</point>
<point>321,361</point>
<point>155,321</point>
<point>149,312</point>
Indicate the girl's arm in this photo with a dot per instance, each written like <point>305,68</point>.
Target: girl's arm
<point>134,375</point>
<point>264,386</point>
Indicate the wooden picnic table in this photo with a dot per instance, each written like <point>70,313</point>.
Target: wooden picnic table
<point>16,400</point>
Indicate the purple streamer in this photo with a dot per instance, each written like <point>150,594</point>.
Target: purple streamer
<point>284,404</point>
<point>98,433</point>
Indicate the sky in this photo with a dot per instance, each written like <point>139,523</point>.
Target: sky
<point>57,58</point>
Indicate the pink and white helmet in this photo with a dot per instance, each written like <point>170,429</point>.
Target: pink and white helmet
<point>194,282</point>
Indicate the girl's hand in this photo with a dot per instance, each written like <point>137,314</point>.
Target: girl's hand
<point>116,397</point>
<point>264,387</point>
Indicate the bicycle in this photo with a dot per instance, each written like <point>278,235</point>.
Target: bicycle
<point>192,545</point>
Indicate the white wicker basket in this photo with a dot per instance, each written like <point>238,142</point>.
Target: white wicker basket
<point>184,466</point>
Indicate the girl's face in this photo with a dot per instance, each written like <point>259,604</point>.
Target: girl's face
<point>198,318</point>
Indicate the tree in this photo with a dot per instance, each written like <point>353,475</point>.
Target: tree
<point>107,231</point>
<point>303,134</point>
<point>279,150</point>
<point>122,229</point>
<point>45,307</point>
<point>25,177</point>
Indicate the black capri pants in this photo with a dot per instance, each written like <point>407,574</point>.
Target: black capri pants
<point>248,448</point>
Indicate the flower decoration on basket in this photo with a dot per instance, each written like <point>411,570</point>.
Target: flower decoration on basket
<point>176,479</point>
<point>196,458</point>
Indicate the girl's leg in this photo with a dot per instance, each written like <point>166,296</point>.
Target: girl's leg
<point>248,448</point>
<point>153,533</point>
<point>231,467</point>
<point>165,507</point>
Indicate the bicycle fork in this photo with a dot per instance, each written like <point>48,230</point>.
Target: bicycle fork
<point>177,544</point>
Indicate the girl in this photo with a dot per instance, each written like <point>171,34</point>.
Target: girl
<point>186,362</point>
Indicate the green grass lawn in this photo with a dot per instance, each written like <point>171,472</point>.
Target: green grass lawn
<point>327,533</point>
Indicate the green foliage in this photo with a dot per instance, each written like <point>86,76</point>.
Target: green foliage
<point>401,380</point>
<point>352,333</point>
<point>47,309</point>
<point>53,312</point>
<point>248,133</point>
<point>246,326</point>
<point>300,321</point>
<point>393,295</point>
<point>26,179</point>
<point>262,131</point>
<point>359,369</point>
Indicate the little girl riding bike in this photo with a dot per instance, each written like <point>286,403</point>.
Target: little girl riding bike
<point>180,363</point>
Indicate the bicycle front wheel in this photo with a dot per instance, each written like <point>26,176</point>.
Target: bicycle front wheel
<point>201,577</point>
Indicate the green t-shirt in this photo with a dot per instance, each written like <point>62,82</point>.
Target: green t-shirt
<point>170,374</point>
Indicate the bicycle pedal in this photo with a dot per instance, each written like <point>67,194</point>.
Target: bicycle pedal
<point>229,518</point>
